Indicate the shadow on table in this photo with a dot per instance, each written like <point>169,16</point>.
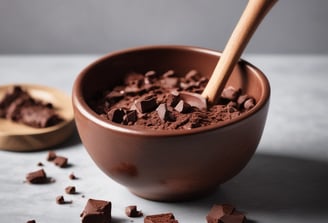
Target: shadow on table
<point>276,184</point>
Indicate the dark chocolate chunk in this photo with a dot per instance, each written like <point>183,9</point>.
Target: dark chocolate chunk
<point>116,115</point>
<point>39,164</point>
<point>146,104</point>
<point>51,156</point>
<point>132,212</point>
<point>230,93</point>
<point>31,221</point>
<point>183,107</point>
<point>37,177</point>
<point>160,218</point>
<point>173,98</point>
<point>131,116</point>
<point>61,161</point>
<point>164,114</point>
<point>97,211</point>
<point>70,190</point>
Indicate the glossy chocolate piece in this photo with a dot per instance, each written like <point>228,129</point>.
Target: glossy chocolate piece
<point>97,211</point>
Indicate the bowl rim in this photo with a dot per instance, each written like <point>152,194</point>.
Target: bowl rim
<point>80,104</point>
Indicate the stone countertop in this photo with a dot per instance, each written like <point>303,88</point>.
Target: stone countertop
<point>286,180</point>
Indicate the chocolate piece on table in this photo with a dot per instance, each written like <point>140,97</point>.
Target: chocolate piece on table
<point>61,161</point>
<point>70,190</point>
<point>131,211</point>
<point>61,200</point>
<point>217,211</point>
<point>160,218</point>
<point>31,221</point>
<point>37,177</point>
<point>97,211</point>
<point>51,156</point>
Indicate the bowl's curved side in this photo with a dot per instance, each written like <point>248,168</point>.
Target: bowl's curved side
<point>173,166</point>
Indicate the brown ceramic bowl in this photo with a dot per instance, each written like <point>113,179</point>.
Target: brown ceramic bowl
<point>169,165</point>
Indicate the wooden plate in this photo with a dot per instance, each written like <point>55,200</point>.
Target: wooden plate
<point>20,137</point>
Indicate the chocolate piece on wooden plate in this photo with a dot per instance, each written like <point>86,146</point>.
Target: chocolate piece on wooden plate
<point>30,131</point>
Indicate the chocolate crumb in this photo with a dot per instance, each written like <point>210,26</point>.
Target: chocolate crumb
<point>70,190</point>
<point>72,176</point>
<point>97,211</point>
<point>131,211</point>
<point>60,200</point>
<point>39,164</point>
<point>61,161</point>
<point>31,221</point>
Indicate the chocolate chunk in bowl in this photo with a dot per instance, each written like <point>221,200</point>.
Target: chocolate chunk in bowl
<point>170,164</point>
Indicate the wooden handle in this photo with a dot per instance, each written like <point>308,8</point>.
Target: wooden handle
<point>252,16</point>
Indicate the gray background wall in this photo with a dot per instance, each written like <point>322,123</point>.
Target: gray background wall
<point>100,26</point>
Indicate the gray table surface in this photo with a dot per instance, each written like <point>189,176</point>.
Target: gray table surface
<point>286,180</point>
